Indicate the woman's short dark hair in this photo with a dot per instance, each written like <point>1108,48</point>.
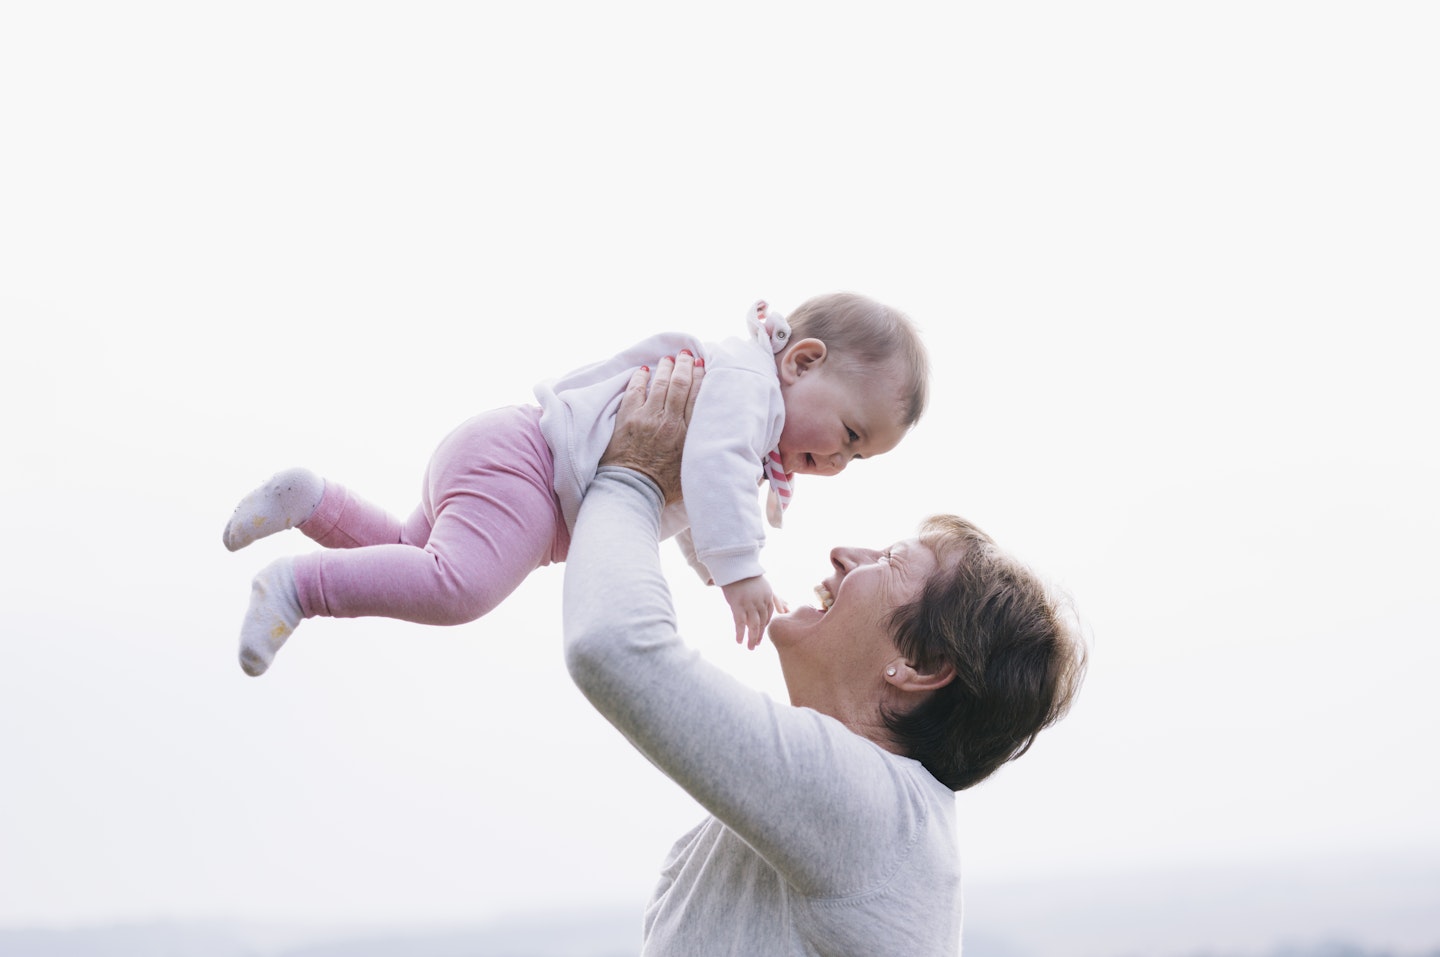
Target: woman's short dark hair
<point>1018,657</point>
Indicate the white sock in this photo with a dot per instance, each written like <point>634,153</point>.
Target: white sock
<point>285,500</point>
<point>273,614</point>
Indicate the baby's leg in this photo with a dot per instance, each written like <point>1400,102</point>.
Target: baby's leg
<point>323,509</point>
<point>492,518</point>
<point>284,500</point>
<point>340,520</point>
<point>273,614</point>
<point>343,519</point>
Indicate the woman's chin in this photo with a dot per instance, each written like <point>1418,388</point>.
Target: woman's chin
<point>796,619</point>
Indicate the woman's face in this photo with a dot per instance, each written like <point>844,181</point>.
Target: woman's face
<point>841,649</point>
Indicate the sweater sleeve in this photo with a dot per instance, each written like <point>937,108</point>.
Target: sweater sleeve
<point>830,810</point>
<point>686,541</point>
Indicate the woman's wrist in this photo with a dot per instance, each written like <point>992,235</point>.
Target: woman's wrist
<point>635,478</point>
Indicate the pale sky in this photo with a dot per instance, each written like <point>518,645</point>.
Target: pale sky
<point>1176,264</point>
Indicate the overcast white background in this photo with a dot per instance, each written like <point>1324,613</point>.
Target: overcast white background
<point>1176,264</point>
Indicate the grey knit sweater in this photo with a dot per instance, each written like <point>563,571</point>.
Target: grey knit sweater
<point>818,840</point>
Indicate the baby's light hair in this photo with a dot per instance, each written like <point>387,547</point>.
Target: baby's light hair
<point>859,330</point>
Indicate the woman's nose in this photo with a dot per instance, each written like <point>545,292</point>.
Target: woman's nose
<point>847,557</point>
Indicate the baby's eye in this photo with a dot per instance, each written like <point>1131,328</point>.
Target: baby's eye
<point>851,433</point>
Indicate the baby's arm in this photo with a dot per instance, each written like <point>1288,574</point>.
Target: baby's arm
<point>735,424</point>
<point>686,541</point>
<point>752,602</point>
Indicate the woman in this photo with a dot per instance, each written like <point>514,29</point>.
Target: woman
<point>832,819</point>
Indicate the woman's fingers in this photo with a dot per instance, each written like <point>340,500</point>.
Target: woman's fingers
<point>659,385</point>
<point>635,391</point>
<point>697,373</point>
<point>673,385</point>
<point>677,397</point>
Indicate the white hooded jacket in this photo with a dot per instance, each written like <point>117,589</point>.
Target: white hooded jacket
<point>738,419</point>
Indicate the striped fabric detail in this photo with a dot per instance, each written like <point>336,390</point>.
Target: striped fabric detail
<point>782,486</point>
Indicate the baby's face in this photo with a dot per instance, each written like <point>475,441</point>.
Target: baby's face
<point>834,415</point>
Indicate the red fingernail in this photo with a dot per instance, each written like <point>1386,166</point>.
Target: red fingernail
<point>646,368</point>
<point>686,352</point>
<point>699,362</point>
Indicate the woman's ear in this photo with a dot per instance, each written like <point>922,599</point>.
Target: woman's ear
<point>906,677</point>
<point>804,355</point>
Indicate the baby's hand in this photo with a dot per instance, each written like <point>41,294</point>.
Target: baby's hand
<point>752,603</point>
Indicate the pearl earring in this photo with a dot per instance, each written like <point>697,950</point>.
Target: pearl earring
<point>890,671</point>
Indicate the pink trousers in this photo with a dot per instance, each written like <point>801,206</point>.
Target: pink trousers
<point>488,517</point>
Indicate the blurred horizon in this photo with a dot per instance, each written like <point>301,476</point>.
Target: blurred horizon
<point>1354,908</point>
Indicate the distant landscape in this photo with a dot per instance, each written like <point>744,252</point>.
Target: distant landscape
<point>1384,908</point>
<point>542,938</point>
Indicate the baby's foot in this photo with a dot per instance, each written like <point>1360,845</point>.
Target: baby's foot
<point>273,614</point>
<point>285,500</point>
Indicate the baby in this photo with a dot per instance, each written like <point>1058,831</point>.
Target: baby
<point>846,377</point>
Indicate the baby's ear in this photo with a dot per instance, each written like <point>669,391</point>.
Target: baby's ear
<point>803,356</point>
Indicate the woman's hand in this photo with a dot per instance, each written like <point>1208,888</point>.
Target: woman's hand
<point>650,425</point>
